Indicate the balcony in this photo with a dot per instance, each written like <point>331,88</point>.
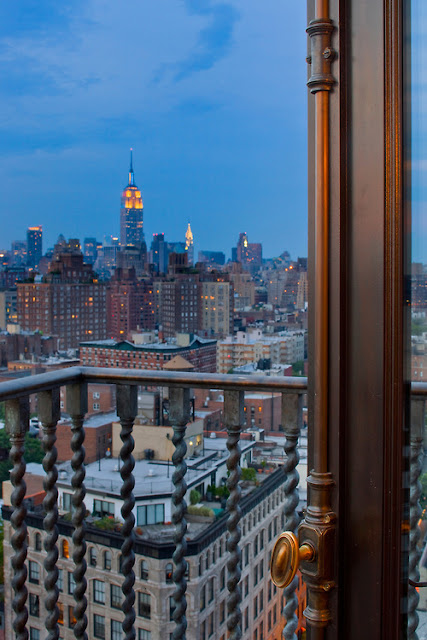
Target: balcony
<point>208,577</point>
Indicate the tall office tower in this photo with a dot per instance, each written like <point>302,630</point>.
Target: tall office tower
<point>34,246</point>
<point>189,245</point>
<point>159,252</point>
<point>90,251</point>
<point>248,253</point>
<point>131,213</point>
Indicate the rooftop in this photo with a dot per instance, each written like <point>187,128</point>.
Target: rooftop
<point>152,477</point>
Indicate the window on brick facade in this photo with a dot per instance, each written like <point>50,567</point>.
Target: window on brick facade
<point>107,560</point>
<point>203,598</point>
<point>144,605</point>
<point>37,542</point>
<point>65,549</point>
<point>171,607</point>
<point>34,633</point>
<point>116,630</point>
<point>92,556</point>
<point>98,626</point>
<point>169,572</point>
<point>99,591</point>
<point>115,596</point>
<point>71,617</point>
<point>71,583</point>
<point>34,605</point>
<point>60,613</point>
<point>150,514</point>
<point>34,572</point>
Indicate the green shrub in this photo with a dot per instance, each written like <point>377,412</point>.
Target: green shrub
<point>194,496</point>
<point>106,523</point>
<point>222,492</point>
<point>249,474</point>
<point>200,511</point>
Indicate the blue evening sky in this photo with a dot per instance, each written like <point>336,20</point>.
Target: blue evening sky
<point>210,94</point>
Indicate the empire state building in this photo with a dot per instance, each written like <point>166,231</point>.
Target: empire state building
<point>131,213</point>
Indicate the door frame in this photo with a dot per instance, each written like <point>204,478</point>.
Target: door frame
<point>366,369</point>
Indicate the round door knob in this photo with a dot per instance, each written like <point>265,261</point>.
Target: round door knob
<point>286,558</point>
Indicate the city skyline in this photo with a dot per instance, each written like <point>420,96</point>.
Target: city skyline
<point>216,145</point>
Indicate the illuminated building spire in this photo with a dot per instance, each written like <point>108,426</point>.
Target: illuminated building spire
<point>131,178</point>
<point>189,244</point>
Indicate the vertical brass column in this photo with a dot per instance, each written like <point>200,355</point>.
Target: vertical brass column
<point>314,550</point>
<point>318,528</point>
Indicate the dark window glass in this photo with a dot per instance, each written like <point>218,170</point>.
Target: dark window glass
<point>144,605</point>
<point>34,572</point>
<point>144,570</point>
<point>34,603</point>
<point>116,596</point>
<point>38,542</point>
<point>98,626</point>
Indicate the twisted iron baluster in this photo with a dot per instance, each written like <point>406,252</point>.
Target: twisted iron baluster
<point>17,420</point>
<point>77,407</point>
<point>179,413</point>
<point>49,414</point>
<point>417,460</point>
<point>233,419</point>
<point>127,409</point>
<point>291,421</point>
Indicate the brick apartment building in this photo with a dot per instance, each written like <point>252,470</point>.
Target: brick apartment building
<point>69,303</point>
<point>200,352</point>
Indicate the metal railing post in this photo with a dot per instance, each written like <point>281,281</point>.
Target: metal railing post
<point>49,413</point>
<point>179,414</point>
<point>233,420</point>
<point>127,410</point>
<point>77,408</point>
<point>292,423</point>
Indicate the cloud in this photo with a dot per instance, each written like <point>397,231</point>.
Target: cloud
<point>214,40</point>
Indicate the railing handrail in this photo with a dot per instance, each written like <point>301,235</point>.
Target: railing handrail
<point>53,379</point>
<point>60,377</point>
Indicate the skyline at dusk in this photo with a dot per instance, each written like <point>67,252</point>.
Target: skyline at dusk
<point>206,93</point>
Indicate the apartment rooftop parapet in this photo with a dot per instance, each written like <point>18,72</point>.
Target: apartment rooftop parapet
<point>152,477</point>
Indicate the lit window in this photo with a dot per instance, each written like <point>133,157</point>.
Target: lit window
<point>71,617</point>
<point>65,549</point>
<point>169,572</point>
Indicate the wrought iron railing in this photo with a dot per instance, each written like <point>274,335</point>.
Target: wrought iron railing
<point>16,395</point>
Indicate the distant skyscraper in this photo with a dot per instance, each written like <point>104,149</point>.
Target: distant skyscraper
<point>90,250</point>
<point>189,244</point>
<point>159,252</point>
<point>131,213</point>
<point>34,246</point>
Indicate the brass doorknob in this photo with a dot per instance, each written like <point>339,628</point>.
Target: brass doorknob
<point>286,558</point>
